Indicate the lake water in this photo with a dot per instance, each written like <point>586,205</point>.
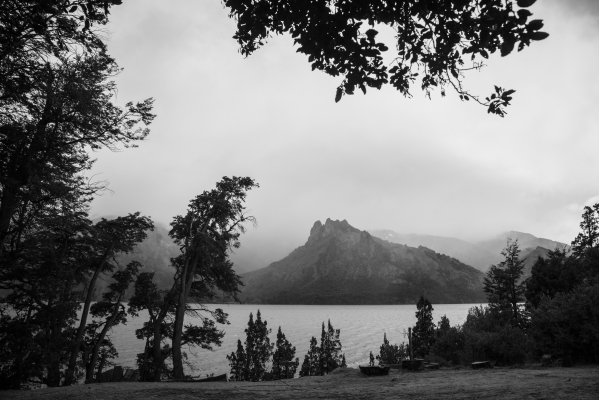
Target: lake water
<point>362,329</point>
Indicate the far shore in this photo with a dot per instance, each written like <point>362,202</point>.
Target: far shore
<point>529,382</point>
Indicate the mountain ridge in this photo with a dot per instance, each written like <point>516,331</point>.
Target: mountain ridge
<point>340,264</point>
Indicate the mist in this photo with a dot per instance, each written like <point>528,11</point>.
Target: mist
<point>381,161</point>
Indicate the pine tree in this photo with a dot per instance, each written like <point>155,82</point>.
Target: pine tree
<point>503,284</point>
<point>423,334</point>
<point>391,353</point>
<point>258,348</point>
<point>237,361</point>
<point>310,366</point>
<point>330,347</point>
<point>284,352</point>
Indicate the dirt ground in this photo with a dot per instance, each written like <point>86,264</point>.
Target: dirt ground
<point>498,383</point>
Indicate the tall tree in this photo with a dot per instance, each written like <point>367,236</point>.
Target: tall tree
<point>504,286</point>
<point>284,352</point>
<point>311,366</point>
<point>113,312</point>
<point>212,225</point>
<point>237,362</point>
<point>330,356</point>
<point>440,40</point>
<point>423,333</point>
<point>106,239</point>
<point>160,306</point>
<point>258,349</point>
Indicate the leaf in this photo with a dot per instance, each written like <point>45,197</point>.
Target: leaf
<point>507,46</point>
<point>73,9</point>
<point>535,25</point>
<point>538,35</point>
<point>508,92</point>
<point>524,13</point>
<point>525,3</point>
<point>338,95</point>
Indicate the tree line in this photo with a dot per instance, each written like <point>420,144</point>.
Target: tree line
<point>251,360</point>
<point>552,314</point>
<point>57,105</point>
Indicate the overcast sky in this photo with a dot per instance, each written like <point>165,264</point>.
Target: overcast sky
<point>440,166</point>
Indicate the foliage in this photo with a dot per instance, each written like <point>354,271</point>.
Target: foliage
<point>237,362</point>
<point>423,333</point>
<point>329,357</point>
<point>212,225</point>
<point>436,41</point>
<point>284,352</point>
<point>310,366</point>
<point>391,353</point>
<point>258,349</point>
<point>568,324</point>
<point>504,287</point>
<point>550,276</point>
<point>323,359</point>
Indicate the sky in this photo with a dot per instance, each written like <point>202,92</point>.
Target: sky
<point>380,161</point>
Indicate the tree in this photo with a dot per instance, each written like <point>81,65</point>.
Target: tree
<point>503,284</point>
<point>160,306</point>
<point>310,366</point>
<point>106,239</point>
<point>45,138</point>
<point>567,325</point>
<point>237,362</point>
<point>391,353</point>
<point>113,310</point>
<point>423,333</point>
<point>549,276</point>
<point>284,352</point>
<point>212,225</point>
<point>329,357</point>
<point>258,348</point>
<point>440,40</point>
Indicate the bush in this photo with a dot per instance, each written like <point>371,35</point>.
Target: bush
<point>567,325</point>
<point>484,336</point>
<point>391,353</point>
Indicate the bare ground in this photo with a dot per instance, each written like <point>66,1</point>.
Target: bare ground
<point>499,383</point>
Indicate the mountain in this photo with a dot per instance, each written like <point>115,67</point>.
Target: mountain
<point>480,255</point>
<point>468,253</point>
<point>525,240</point>
<point>340,264</point>
<point>530,256</point>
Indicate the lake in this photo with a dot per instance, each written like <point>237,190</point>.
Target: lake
<point>362,329</point>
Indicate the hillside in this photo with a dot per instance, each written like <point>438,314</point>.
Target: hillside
<point>480,255</point>
<point>340,264</point>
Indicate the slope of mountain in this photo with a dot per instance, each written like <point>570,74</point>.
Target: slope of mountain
<point>525,240</point>
<point>340,264</point>
<point>480,255</point>
<point>530,256</point>
<point>467,253</point>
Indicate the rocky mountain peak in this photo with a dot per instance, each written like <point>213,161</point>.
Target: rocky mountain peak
<point>331,227</point>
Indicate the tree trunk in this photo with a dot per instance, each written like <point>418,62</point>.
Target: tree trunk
<point>185,287</point>
<point>70,373</point>
<point>89,375</point>
<point>157,351</point>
